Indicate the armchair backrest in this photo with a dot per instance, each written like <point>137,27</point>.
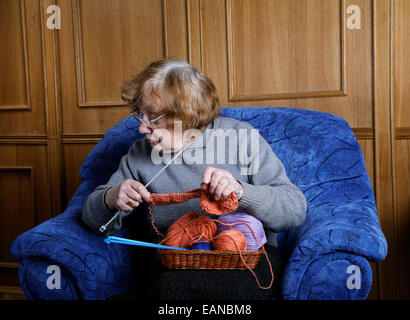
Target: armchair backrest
<point>313,146</point>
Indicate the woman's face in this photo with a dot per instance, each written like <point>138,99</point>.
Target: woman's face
<point>161,136</point>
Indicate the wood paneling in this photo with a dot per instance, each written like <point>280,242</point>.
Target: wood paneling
<point>75,153</point>
<point>176,28</point>
<point>14,163</point>
<point>16,184</point>
<point>92,88</point>
<point>24,166</point>
<point>60,90</point>
<point>264,38</point>
<point>383,144</point>
<point>22,89</point>
<point>11,293</point>
<point>402,201</point>
<point>401,145</point>
<point>14,93</point>
<point>122,24</point>
<point>401,65</point>
<point>23,172</point>
<point>278,66</point>
<point>367,145</point>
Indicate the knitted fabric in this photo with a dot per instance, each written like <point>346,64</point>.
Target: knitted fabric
<point>206,203</point>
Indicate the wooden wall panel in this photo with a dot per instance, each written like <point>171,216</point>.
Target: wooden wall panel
<point>176,24</point>
<point>22,91</point>
<point>92,72</point>
<point>401,144</point>
<point>23,172</point>
<point>382,24</point>
<point>22,155</point>
<point>402,201</point>
<point>74,156</point>
<point>17,184</point>
<point>264,39</point>
<point>124,25</point>
<point>401,65</point>
<point>23,130</point>
<point>290,75</point>
<point>14,92</point>
<point>367,146</point>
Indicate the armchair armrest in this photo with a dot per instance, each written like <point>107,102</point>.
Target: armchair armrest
<point>336,234</point>
<point>90,269</point>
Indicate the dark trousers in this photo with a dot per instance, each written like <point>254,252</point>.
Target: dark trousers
<point>158,283</point>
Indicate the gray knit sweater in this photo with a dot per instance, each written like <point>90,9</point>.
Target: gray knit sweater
<point>225,143</point>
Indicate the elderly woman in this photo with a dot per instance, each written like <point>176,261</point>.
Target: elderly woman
<point>179,111</point>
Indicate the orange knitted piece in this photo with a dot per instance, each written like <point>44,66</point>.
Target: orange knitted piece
<point>206,203</point>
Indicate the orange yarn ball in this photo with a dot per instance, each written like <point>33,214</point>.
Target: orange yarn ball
<point>190,228</point>
<point>231,239</point>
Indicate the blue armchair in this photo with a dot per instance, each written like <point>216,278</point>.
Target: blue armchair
<point>321,156</point>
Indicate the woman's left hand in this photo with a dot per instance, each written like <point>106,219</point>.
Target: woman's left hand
<point>220,183</point>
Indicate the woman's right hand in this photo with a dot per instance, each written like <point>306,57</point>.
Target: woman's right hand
<point>126,196</point>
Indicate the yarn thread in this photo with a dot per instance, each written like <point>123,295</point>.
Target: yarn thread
<point>193,227</point>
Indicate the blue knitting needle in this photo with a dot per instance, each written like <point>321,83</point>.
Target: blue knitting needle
<point>112,239</point>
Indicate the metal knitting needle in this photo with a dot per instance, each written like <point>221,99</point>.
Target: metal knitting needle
<point>104,227</point>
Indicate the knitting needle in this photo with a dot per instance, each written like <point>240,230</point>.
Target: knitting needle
<point>112,239</point>
<point>104,227</point>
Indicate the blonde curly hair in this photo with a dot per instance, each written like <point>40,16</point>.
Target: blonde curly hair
<point>186,94</point>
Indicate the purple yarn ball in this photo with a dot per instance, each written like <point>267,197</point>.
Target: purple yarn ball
<point>238,216</point>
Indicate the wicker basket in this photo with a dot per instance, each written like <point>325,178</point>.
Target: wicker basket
<point>203,259</point>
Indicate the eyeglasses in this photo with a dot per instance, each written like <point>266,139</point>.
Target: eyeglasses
<point>150,123</point>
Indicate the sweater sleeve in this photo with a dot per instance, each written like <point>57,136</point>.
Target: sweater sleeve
<point>269,195</point>
<point>95,212</point>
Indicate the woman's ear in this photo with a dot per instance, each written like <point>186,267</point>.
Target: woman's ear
<point>191,134</point>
